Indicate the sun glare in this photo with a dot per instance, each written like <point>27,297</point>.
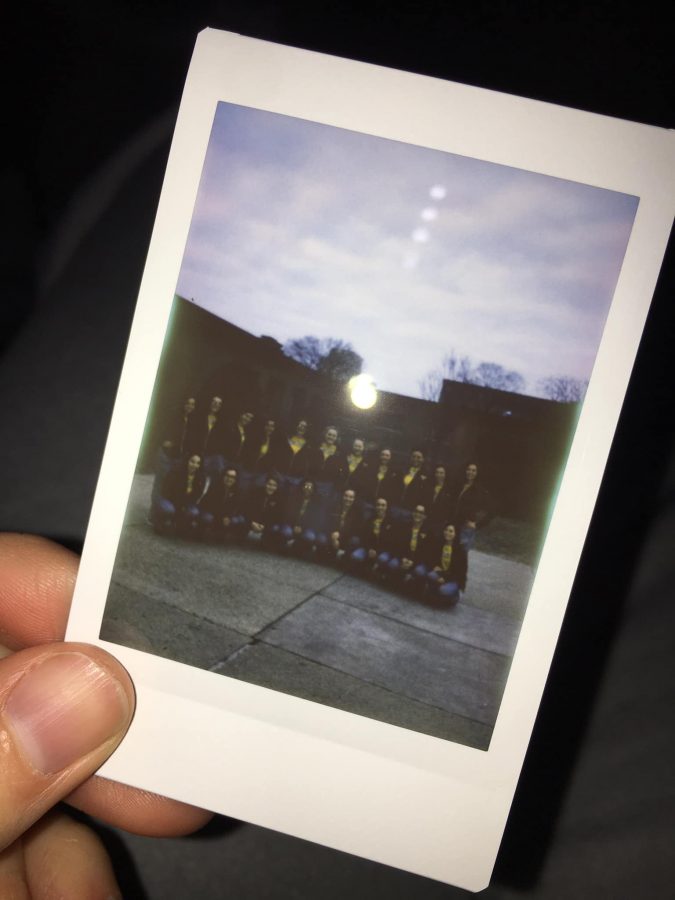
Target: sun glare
<point>362,391</point>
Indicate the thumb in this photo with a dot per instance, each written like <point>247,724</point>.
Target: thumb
<point>63,710</point>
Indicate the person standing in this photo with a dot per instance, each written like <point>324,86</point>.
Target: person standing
<point>206,436</point>
<point>323,462</point>
<point>260,451</point>
<point>410,485</point>
<point>177,434</point>
<point>292,454</point>
<point>437,498</point>
<point>352,467</point>
<point>174,445</point>
<point>235,436</point>
<point>472,508</point>
<point>379,479</point>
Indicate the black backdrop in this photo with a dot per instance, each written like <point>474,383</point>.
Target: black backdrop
<point>90,91</point>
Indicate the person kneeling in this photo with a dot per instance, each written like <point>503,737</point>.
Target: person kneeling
<point>264,514</point>
<point>222,517</point>
<point>448,565</point>
<point>343,526</point>
<point>375,536</point>
<point>302,520</point>
<point>177,507</point>
<point>409,554</point>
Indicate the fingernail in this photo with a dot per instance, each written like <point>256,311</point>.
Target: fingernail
<point>64,708</point>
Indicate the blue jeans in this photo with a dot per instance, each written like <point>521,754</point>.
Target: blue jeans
<point>449,590</point>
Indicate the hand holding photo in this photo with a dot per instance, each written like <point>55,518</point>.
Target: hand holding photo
<point>375,369</point>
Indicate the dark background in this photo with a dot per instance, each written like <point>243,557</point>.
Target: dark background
<point>90,95</point>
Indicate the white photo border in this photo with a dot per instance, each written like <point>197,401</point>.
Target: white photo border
<point>402,798</point>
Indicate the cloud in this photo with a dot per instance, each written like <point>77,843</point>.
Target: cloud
<point>301,228</point>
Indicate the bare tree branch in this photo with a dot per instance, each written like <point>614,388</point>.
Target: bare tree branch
<point>563,388</point>
<point>329,356</point>
<point>461,368</point>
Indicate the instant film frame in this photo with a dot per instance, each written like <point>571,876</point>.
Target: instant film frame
<point>330,775</point>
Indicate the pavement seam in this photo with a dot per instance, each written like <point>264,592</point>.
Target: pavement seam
<point>373,684</point>
<point>319,593</point>
<point>180,609</point>
<point>298,605</point>
<point>232,655</point>
<point>415,627</point>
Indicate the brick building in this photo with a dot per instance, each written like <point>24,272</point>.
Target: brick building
<point>520,442</point>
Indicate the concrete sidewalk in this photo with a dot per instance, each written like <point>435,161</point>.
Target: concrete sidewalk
<point>317,633</point>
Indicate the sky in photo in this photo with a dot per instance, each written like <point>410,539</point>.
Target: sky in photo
<point>406,253</point>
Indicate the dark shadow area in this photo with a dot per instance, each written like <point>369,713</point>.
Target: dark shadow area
<point>218,827</point>
<point>630,491</point>
<point>81,82</point>
<point>122,860</point>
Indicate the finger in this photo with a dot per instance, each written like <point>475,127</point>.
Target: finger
<point>63,710</point>
<point>140,812</point>
<point>13,873</point>
<point>36,586</point>
<point>66,859</point>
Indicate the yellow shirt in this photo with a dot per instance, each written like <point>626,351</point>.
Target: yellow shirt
<point>410,474</point>
<point>413,539</point>
<point>446,557</point>
<point>328,450</point>
<point>211,421</point>
<point>354,462</point>
<point>296,443</point>
<point>190,482</point>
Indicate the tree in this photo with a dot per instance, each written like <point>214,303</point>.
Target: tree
<point>431,385</point>
<point>331,357</point>
<point>563,388</point>
<point>493,375</point>
<point>461,368</point>
<point>306,350</point>
<point>453,367</point>
<point>457,368</point>
<point>341,363</point>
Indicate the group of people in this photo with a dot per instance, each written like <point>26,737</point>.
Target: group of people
<point>234,479</point>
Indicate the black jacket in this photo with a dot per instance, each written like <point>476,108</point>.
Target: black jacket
<point>221,502</point>
<point>289,463</point>
<point>348,528</point>
<point>263,509</point>
<point>175,488</point>
<point>372,541</point>
<point>400,543</point>
<point>458,563</point>
<point>470,505</point>
<point>203,441</point>
<point>293,516</point>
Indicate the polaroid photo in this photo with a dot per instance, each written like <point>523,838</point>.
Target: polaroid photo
<point>382,341</point>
